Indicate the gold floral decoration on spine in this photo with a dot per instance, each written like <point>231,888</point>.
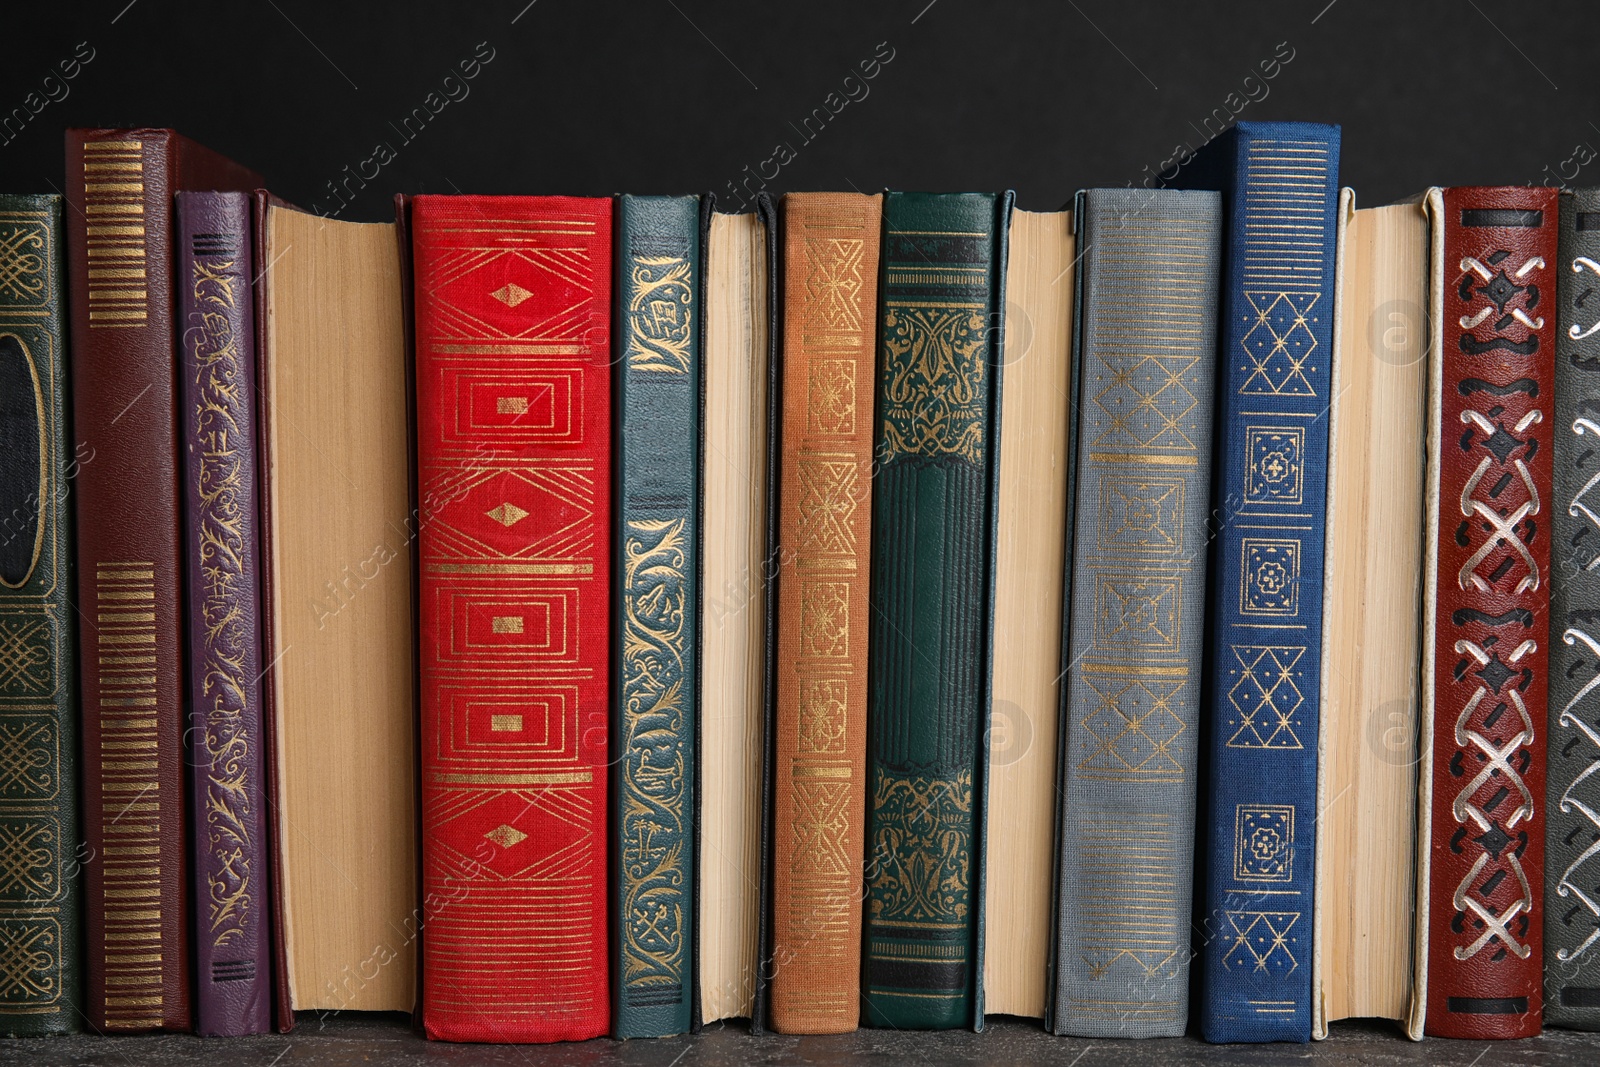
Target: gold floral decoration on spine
<point>660,314</point>
<point>934,395</point>
<point>223,698</point>
<point>921,848</point>
<point>655,876</point>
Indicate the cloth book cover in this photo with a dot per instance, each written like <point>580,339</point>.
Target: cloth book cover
<point>1486,606</point>
<point>830,280</point>
<point>1145,379</point>
<point>217,420</point>
<point>943,259</point>
<point>513,298</point>
<point>120,245</point>
<point>655,644</point>
<point>1280,192</point>
<point>41,979</point>
<point>1572,791</point>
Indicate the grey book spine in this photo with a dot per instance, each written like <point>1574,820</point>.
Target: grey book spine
<point>1572,826</point>
<point>1145,364</point>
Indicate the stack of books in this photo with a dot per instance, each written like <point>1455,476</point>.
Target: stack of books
<point>567,617</point>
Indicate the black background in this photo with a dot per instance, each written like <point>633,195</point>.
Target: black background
<point>591,97</point>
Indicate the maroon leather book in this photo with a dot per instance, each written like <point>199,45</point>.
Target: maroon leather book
<point>119,255</point>
<point>216,376</point>
<point>1494,351</point>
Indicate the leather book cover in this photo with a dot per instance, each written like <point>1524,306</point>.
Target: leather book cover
<point>41,854</point>
<point>760,1010</point>
<point>1572,802</point>
<point>931,571</point>
<point>655,643</point>
<point>1146,375</point>
<point>1488,570</point>
<point>120,185</point>
<point>1280,193</point>
<point>217,420</point>
<point>823,565</point>
<point>513,388</point>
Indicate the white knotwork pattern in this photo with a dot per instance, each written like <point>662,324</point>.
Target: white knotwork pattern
<point>1504,527</point>
<point>1496,759</point>
<point>1578,509</point>
<point>1569,885</point>
<point>1576,332</point>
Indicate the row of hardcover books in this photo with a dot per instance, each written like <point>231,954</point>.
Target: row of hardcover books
<point>569,616</point>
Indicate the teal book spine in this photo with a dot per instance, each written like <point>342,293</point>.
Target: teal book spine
<point>40,846</point>
<point>655,635</point>
<point>932,597</point>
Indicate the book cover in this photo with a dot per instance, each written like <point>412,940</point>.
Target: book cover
<point>1486,602</point>
<point>129,551</point>
<point>513,439</point>
<point>217,420</point>
<point>41,854</point>
<point>932,582</point>
<point>1280,191</point>
<point>655,644</point>
<point>1572,802</point>
<point>1146,377</point>
<point>830,279</point>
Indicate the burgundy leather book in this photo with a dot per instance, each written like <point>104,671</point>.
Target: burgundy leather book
<point>1490,485</point>
<point>216,388</point>
<point>119,255</point>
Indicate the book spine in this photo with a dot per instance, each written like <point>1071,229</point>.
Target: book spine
<point>119,247</point>
<point>1572,833</point>
<point>1280,185</point>
<point>40,848</point>
<point>931,570</point>
<point>830,278</point>
<point>1495,344</point>
<point>1146,372</point>
<point>655,649</point>
<point>216,373</point>
<point>513,394</point>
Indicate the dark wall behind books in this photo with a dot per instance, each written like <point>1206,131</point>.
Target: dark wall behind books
<point>341,104</point>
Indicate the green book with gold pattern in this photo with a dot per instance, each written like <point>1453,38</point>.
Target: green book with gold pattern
<point>655,632</point>
<point>39,842</point>
<point>932,600</point>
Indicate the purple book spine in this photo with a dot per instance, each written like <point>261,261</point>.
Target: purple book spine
<point>227,781</point>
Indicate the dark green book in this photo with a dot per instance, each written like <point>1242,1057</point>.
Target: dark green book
<point>932,598</point>
<point>39,841</point>
<point>655,636</point>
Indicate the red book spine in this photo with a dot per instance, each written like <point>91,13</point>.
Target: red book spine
<point>1495,313</point>
<point>513,302</point>
<point>130,582</point>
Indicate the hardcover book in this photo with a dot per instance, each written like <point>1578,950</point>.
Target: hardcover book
<point>1486,598</point>
<point>217,418</point>
<point>338,635</point>
<point>41,889</point>
<point>513,439</point>
<point>1572,792</point>
<point>1280,187</point>
<point>932,583</point>
<point>1031,535</point>
<point>1145,379</point>
<point>655,644</point>
<point>735,613</point>
<point>830,285</point>
<point>1371,681</point>
<point>120,244</point>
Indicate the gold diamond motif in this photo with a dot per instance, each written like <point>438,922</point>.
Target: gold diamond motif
<point>506,836</point>
<point>511,294</point>
<point>507,515</point>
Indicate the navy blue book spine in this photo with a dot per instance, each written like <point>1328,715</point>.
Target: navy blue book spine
<point>1280,186</point>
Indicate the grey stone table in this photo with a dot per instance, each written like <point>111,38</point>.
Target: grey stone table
<point>340,1040</point>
